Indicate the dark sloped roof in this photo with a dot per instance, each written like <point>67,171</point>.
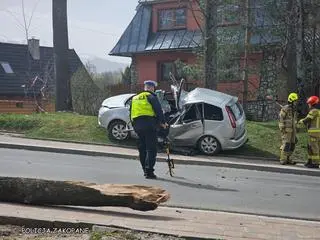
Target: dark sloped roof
<point>135,37</point>
<point>175,39</point>
<point>16,55</point>
<point>139,38</point>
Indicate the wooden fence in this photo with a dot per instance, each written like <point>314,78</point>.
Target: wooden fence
<point>24,106</point>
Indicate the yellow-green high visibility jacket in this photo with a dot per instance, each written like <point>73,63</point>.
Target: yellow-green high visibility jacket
<point>313,118</point>
<point>140,106</point>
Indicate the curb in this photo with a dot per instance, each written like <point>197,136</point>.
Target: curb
<point>309,219</point>
<point>225,164</point>
<point>47,224</point>
<point>270,159</point>
<point>267,159</point>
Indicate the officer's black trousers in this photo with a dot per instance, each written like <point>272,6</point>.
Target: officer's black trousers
<point>147,145</point>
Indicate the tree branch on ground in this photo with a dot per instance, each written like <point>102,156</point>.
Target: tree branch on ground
<point>48,192</point>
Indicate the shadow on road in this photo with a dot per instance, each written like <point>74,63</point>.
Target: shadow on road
<point>189,184</point>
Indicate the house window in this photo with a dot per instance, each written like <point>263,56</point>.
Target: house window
<point>6,67</point>
<point>172,18</point>
<point>164,70</point>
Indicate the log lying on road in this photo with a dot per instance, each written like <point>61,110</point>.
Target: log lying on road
<point>48,192</point>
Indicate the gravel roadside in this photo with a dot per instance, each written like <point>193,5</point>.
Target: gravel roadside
<point>10,232</point>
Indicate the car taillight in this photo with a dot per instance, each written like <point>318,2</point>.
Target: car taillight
<point>231,117</point>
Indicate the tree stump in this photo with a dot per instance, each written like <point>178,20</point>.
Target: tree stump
<point>49,192</point>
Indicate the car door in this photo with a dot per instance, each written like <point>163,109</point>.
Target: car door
<point>188,128</point>
<point>213,120</point>
<point>179,94</point>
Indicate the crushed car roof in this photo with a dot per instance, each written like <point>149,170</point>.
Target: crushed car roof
<point>208,96</point>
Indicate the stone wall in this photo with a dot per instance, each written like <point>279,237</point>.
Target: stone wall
<point>263,110</point>
<point>269,74</point>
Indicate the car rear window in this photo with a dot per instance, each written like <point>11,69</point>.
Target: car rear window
<point>237,110</point>
<point>212,112</point>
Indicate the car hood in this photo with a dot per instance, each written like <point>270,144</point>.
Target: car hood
<point>116,101</point>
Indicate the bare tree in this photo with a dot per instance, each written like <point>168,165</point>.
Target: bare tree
<point>33,81</point>
<point>27,25</point>
<point>204,13</point>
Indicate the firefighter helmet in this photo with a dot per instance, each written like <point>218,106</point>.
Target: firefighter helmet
<point>292,97</point>
<point>313,100</point>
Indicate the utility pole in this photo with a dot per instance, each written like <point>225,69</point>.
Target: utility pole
<point>61,49</point>
<point>210,44</point>
<point>246,53</point>
<point>292,46</point>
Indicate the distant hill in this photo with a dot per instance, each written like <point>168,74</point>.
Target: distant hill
<point>104,65</point>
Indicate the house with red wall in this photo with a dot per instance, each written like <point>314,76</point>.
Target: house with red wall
<point>163,31</point>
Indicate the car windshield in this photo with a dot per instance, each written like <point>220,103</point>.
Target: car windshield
<point>128,102</point>
<point>237,110</point>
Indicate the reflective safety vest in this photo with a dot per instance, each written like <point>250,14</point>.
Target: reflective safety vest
<point>140,106</point>
<point>314,128</point>
<point>287,118</point>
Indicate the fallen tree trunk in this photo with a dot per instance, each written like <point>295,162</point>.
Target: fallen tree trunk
<point>48,192</point>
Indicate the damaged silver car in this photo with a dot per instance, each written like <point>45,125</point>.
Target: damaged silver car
<point>208,120</point>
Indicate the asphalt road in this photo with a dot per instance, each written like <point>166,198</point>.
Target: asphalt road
<point>202,187</point>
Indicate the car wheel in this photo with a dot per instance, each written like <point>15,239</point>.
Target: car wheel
<point>116,131</point>
<point>209,145</point>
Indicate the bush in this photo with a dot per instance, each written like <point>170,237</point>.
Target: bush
<point>86,95</point>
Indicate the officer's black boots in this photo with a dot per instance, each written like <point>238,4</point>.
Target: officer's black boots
<point>150,176</point>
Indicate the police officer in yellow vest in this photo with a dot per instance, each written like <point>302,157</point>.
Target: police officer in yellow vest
<point>287,126</point>
<point>312,121</point>
<point>146,115</point>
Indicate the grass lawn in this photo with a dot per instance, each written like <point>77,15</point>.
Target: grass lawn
<point>264,138</point>
<point>65,126</point>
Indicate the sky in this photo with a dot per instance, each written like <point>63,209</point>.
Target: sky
<point>94,26</point>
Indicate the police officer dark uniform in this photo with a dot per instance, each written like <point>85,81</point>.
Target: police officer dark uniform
<point>146,115</point>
